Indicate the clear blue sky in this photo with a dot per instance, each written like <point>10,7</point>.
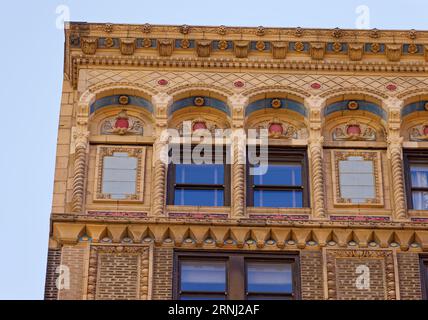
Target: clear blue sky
<point>31,78</point>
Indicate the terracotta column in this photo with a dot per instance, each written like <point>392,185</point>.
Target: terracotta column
<point>395,155</point>
<point>237,104</point>
<point>161,103</point>
<point>315,150</point>
<point>79,147</point>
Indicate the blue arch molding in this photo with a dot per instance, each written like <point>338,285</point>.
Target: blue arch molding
<point>114,100</point>
<point>414,107</point>
<point>285,104</point>
<point>208,102</point>
<point>362,105</point>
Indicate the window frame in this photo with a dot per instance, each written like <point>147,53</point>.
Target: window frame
<point>413,157</point>
<point>102,151</point>
<point>373,155</point>
<point>226,186</point>
<point>282,155</point>
<point>236,270</point>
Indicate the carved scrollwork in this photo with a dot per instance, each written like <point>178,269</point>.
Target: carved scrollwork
<point>419,132</point>
<point>354,131</point>
<point>122,124</point>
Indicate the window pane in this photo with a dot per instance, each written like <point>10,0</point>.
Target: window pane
<point>199,197</point>
<point>278,198</point>
<point>269,277</point>
<point>356,179</point>
<point>119,175</point>
<point>199,173</point>
<point>419,175</point>
<point>204,276</point>
<point>281,175</point>
<point>256,297</point>
<point>420,200</point>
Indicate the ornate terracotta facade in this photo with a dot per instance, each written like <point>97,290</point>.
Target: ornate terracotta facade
<point>337,94</point>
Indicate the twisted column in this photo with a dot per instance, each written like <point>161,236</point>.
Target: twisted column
<point>78,193</point>
<point>395,155</point>
<point>317,176</point>
<point>159,180</point>
<point>238,175</point>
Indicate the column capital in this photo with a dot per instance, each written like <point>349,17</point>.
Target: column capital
<point>315,102</point>
<point>161,102</point>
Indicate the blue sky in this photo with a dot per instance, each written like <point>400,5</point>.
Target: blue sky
<point>31,58</point>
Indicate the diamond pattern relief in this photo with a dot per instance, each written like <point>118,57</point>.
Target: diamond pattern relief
<point>89,78</point>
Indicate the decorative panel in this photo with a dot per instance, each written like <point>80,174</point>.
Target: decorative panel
<point>361,274</point>
<point>119,272</point>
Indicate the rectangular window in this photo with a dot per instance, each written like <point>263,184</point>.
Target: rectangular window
<point>416,168</point>
<point>283,184</point>
<point>205,184</point>
<point>237,276</point>
<point>119,174</point>
<point>357,177</point>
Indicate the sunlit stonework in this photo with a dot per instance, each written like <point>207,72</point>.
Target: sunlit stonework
<point>344,193</point>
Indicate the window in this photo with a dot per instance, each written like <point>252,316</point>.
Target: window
<point>237,276</point>
<point>284,184</point>
<point>119,173</point>
<point>416,167</point>
<point>205,184</point>
<point>357,177</point>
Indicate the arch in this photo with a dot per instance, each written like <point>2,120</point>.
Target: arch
<point>96,92</point>
<point>281,104</point>
<point>363,105</point>
<point>199,101</point>
<point>413,95</point>
<point>418,106</point>
<point>114,100</point>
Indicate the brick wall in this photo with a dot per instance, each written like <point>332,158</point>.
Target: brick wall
<point>409,275</point>
<point>311,274</point>
<point>162,273</point>
<point>73,257</point>
<point>118,276</point>
<point>54,260</point>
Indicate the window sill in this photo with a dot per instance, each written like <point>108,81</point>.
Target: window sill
<point>270,210</point>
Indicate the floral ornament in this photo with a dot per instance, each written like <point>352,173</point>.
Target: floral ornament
<point>260,45</point>
<point>353,105</point>
<point>337,47</point>
<point>147,43</point>
<point>353,130</point>
<point>122,124</point>
<point>147,28</point>
<point>260,31</point>
<point>184,29</point>
<point>299,46</point>
<point>222,30</point>
<point>337,33</point>
<point>413,48</point>
<point>426,106</point>
<point>109,42</point>
<point>199,101</point>
<point>277,129</point>
<point>185,44</point>
<point>108,27</point>
<point>198,125</point>
<point>223,45</point>
<point>298,32</point>
<point>276,103</point>
<point>124,100</point>
<point>419,133</point>
<point>374,33</point>
<point>375,47</point>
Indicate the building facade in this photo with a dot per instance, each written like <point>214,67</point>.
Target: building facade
<point>341,213</point>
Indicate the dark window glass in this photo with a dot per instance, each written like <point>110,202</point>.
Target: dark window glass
<point>419,182</point>
<point>416,172</point>
<point>269,277</point>
<point>284,183</point>
<point>202,280</point>
<point>205,184</point>
<point>278,198</point>
<point>237,276</point>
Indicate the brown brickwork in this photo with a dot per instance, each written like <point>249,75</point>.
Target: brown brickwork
<point>311,273</point>
<point>73,257</point>
<point>54,260</point>
<point>409,275</point>
<point>162,275</point>
<point>118,277</point>
<point>346,277</point>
